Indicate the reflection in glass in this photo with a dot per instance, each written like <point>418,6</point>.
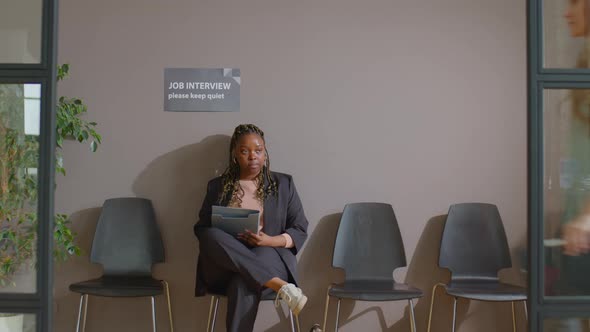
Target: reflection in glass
<point>17,322</point>
<point>566,324</point>
<point>20,31</point>
<point>19,130</point>
<point>565,34</point>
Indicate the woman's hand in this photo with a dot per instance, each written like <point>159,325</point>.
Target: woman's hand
<point>261,239</point>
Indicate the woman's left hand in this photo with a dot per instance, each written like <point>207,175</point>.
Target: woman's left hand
<point>257,240</point>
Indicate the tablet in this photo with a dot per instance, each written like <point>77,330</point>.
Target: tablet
<point>235,220</point>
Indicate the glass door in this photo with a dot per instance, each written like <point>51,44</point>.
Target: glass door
<point>559,164</point>
<point>27,111</point>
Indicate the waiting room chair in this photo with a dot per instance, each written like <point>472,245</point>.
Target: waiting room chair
<point>126,243</point>
<point>474,248</point>
<point>267,295</point>
<point>369,248</point>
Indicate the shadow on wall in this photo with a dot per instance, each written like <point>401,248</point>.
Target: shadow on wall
<point>423,272</point>
<point>316,272</point>
<point>176,183</point>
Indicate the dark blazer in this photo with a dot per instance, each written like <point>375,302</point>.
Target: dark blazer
<point>283,213</point>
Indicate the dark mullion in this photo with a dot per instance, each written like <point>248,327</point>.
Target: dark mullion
<point>565,84</point>
<point>22,66</point>
<point>532,69</point>
<point>564,77</point>
<point>565,311</point>
<point>47,169</point>
<point>583,300</point>
<point>580,72</point>
<point>27,72</point>
<point>16,297</point>
<point>22,80</point>
<point>10,304</point>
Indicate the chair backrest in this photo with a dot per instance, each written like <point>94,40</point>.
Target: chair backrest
<point>127,240</point>
<point>368,244</point>
<point>474,244</point>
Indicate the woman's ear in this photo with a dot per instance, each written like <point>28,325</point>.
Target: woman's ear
<point>233,157</point>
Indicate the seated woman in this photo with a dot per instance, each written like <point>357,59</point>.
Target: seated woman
<point>245,267</point>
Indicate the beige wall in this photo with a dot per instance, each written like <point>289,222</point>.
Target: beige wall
<point>419,103</point>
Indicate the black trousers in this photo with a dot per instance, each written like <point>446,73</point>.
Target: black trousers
<point>240,272</point>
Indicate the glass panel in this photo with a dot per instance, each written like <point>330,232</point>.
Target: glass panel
<point>19,144</point>
<point>566,324</point>
<point>20,31</point>
<point>15,322</point>
<point>565,34</point>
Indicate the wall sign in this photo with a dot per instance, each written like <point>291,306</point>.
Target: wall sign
<point>201,89</point>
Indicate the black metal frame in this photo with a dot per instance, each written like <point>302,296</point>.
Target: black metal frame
<point>539,79</point>
<point>44,73</point>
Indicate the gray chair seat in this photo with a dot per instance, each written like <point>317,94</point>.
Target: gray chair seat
<point>119,287</point>
<point>372,290</point>
<point>486,291</point>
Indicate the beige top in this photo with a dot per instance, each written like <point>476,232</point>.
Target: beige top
<point>249,201</point>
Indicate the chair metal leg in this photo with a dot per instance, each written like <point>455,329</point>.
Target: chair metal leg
<point>153,313</point>
<point>215,313</point>
<point>297,323</point>
<point>85,311</point>
<point>291,322</point>
<point>513,317</point>
<point>167,288</point>
<point>80,313</point>
<point>337,315</point>
<point>432,304</point>
<point>526,312</point>
<point>454,313</point>
<point>326,308</point>
<point>412,318</point>
<point>210,314</point>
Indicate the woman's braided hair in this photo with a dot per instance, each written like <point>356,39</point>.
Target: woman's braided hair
<point>231,176</point>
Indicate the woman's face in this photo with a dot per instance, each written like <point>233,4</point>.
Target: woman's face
<point>575,15</point>
<point>250,154</point>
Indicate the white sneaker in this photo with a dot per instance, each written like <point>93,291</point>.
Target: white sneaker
<point>293,296</point>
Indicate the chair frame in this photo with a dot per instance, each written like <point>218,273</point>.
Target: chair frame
<point>84,307</point>
<point>455,297</point>
<point>328,296</point>
<point>410,302</point>
<point>213,315</point>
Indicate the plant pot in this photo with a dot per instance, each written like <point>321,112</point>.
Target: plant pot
<point>11,322</point>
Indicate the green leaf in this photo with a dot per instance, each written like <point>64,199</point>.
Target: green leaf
<point>93,146</point>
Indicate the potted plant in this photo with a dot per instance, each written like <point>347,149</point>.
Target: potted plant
<point>18,178</point>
